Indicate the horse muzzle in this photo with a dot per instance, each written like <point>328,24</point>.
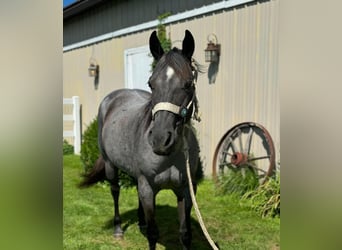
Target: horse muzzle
<point>162,137</point>
<point>161,141</point>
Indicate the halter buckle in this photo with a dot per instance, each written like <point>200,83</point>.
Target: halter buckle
<point>183,112</point>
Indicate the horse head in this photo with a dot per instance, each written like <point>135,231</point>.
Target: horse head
<point>173,93</point>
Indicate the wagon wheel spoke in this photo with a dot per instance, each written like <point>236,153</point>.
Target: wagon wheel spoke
<point>249,141</point>
<point>227,164</point>
<point>240,140</point>
<point>256,168</point>
<point>223,164</point>
<point>259,158</point>
<point>232,143</point>
<point>233,165</point>
<point>227,153</point>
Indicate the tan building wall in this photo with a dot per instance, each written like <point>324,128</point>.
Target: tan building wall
<point>246,87</point>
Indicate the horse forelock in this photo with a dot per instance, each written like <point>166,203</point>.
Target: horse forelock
<point>177,62</point>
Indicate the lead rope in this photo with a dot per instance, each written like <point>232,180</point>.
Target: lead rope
<point>193,198</point>
<point>194,67</point>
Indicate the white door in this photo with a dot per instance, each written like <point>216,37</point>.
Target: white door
<point>138,68</point>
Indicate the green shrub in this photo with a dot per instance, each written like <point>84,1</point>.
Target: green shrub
<point>89,147</point>
<point>237,182</point>
<point>265,200</point>
<point>67,148</point>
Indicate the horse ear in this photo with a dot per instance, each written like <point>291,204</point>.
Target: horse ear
<point>155,47</point>
<point>188,45</point>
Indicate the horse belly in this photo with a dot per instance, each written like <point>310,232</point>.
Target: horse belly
<point>120,148</point>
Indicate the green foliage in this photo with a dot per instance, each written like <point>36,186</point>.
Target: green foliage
<point>266,198</point>
<point>237,182</point>
<point>89,148</point>
<point>90,153</point>
<point>67,148</point>
<point>161,32</point>
<point>126,181</point>
<point>165,42</point>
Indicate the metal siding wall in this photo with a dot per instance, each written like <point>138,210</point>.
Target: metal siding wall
<point>76,81</point>
<point>110,57</point>
<point>246,87</point>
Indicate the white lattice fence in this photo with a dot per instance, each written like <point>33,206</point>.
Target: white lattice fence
<point>74,118</point>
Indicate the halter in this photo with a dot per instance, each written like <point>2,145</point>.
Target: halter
<point>178,110</point>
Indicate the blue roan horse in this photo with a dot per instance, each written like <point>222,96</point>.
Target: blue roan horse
<point>145,135</point>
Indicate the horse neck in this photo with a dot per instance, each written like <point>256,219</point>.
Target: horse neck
<point>147,117</point>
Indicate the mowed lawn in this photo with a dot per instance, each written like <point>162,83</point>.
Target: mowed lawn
<point>88,218</point>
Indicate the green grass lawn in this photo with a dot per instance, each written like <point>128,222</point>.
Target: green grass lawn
<point>88,215</point>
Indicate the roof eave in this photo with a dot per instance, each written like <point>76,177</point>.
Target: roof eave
<point>78,7</point>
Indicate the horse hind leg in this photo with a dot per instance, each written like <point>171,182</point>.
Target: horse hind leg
<point>112,173</point>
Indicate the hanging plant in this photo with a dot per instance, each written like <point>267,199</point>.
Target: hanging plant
<point>165,41</point>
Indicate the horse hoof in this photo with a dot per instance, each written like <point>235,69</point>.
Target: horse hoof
<point>118,235</point>
<point>143,229</point>
<point>142,225</point>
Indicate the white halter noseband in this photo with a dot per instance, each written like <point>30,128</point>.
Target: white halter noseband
<point>181,111</point>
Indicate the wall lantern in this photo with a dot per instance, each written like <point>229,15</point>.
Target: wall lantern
<point>213,50</point>
<point>93,69</point>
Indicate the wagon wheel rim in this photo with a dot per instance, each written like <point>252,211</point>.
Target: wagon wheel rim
<point>246,145</point>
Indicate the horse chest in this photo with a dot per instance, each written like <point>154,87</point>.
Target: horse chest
<point>171,177</point>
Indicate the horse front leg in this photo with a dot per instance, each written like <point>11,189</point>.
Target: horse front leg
<point>112,173</point>
<point>141,216</point>
<point>147,199</point>
<point>184,214</point>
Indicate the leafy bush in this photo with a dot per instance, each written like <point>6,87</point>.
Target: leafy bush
<point>67,148</point>
<point>89,147</point>
<point>266,198</point>
<point>237,182</point>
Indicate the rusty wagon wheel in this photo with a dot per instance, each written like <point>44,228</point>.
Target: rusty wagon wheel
<point>247,144</point>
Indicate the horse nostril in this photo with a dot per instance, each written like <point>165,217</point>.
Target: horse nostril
<point>168,139</point>
<point>161,141</point>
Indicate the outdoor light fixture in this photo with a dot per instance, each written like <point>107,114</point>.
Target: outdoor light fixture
<point>93,69</point>
<point>213,50</point>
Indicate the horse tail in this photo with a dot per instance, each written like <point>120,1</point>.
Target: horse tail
<point>97,174</point>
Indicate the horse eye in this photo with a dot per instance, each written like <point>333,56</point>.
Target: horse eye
<point>149,84</point>
<point>187,85</point>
